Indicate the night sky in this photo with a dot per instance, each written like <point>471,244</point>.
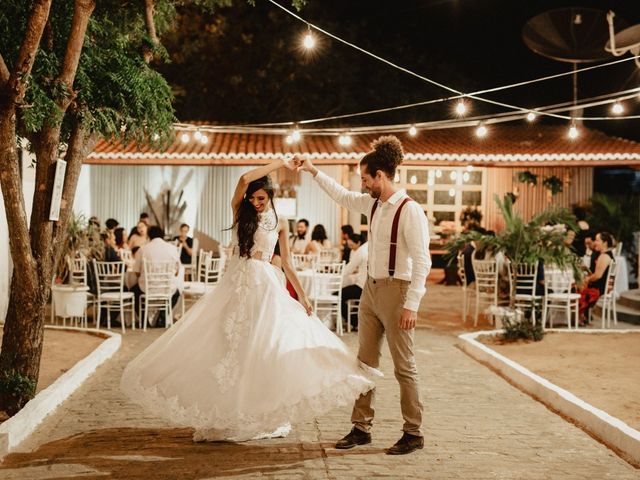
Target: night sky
<point>466,44</point>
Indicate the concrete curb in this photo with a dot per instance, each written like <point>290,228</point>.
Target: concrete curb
<point>612,431</point>
<point>22,424</point>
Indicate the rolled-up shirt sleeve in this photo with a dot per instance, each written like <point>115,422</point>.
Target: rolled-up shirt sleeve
<point>416,234</point>
<point>359,202</point>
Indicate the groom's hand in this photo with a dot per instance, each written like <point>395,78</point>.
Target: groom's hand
<point>407,319</point>
<point>307,166</point>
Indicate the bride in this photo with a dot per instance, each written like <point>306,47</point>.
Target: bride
<point>247,359</point>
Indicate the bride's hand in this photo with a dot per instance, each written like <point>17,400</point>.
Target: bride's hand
<point>307,305</point>
<point>292,162</point>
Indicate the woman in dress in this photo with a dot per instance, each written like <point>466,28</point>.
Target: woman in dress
<point>319,240</point>
<point>595,283</point>
<point>247,359</point>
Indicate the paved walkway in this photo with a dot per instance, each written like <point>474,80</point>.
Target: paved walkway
<point>477,427</point>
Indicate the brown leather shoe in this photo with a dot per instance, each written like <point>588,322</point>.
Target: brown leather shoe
<point>353,438</point>
<point>407,444</point>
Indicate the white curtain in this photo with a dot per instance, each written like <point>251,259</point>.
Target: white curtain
<point>316,206</point>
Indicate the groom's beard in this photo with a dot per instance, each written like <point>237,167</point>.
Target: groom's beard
<point>302,236</point>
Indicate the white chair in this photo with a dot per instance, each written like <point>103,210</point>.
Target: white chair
<point>327,291</point>
<point>353,306</point>
<point>608,298</point>
<point>209,274</point>
<point>617,250</point>
<point>465,294</point>
<point>159,281</point>
<point>126,256</point>
<point>304,261</point>
<point>558,296</point>
<point>525,279</point>
<point>111,294</point>
<point>486,284</point>
<point>329,255</point>
<point>78,276</point>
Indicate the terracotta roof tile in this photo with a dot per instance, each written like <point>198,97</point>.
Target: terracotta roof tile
<point>504,144</point>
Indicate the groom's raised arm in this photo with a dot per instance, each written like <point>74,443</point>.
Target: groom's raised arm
<point>358,202</point>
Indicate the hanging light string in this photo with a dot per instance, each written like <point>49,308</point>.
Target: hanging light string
<point>439,100</point>
<point>436,124</point>
<point>460,94</point>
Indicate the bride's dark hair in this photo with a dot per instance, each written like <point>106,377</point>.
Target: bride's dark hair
<point>247,216</point>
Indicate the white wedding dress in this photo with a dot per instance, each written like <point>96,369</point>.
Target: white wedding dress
<point>246,359</point>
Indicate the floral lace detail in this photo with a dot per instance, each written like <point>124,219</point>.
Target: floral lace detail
<point>267,220</point>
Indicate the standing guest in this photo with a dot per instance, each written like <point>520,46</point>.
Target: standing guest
<point>111,224</point>
<point>157,250</point>
<point>347,231</point>
<point>355,275</point>
<point>186,242</point>
<point>121,237</point>
<point>577,244</point>
<point>140,237</point>
<point>300,239</point>
<point>144,217</point>
<point>318,241</point>
<point>398,266</point>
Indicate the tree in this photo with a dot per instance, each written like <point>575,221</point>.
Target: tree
<point>70,74</point>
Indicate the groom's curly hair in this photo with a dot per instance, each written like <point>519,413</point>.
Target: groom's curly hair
<point>247,216</point>
<point>386,155</point>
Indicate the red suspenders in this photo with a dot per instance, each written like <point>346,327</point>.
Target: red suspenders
<point>394,233</point>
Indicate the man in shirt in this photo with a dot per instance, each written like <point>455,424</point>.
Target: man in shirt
<point>397,272</point>
<point>157,250</point>
<point>300,239</point>
<point>354,275</point>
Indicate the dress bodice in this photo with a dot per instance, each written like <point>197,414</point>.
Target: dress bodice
<point>266,236</point>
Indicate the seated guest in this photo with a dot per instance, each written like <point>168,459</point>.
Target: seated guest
<point>595,284</point>
<point>318,241</point>
<point>121,238</point>
<point>157,250</point>
<point>144,217</point>
<point>300,240</point>
<point>354,275</point>
<point>186,243</point>
<point>111,224</point>
<point>110,252</point>
<point>590,254</point>
<point>140,237</point>
<point>347,230</point>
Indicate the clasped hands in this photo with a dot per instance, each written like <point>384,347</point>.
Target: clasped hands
<point>295,163</point>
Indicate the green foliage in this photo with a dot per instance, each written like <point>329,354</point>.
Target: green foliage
<point>553,183</point>
<point>543,238</point>
<point>521,329</point>
<point>14,384</point>
<point>82,238</point>
<point>527,177</point>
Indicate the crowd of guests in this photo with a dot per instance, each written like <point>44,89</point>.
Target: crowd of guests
<point>143,242</point>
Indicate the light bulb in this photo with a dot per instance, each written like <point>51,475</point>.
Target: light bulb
<point>309,42</point>
<point>438,173</point>
<point>204,139</point>
<point>452,192</point>
<point>289,139</point>
<point>469,168</point>
<point>345,140</point>
<point>531,116</point>
<point>573,132</point>
<point>617,108</point>
<point>461,108</point>
<point>465,177</point>
<point>197,135</point>
<point>453,175</point>
<point>185,137</point>
<point>413,179</point>
<point>296,135</point>
<point>413,131</point>
<point>481,131</point>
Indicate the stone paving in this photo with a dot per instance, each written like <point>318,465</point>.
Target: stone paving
<point>477,426</point>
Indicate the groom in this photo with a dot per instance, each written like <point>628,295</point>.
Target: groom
<point>398,265</point>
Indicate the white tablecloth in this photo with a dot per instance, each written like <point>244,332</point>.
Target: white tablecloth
<point>622,280</point>
<point>306,280</point>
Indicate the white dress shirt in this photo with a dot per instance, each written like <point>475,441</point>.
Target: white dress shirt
<point>355,272</point>
<point>413,261</point>
<point>157,250</point>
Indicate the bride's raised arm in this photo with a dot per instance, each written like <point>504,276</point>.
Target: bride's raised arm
<point>259,172</point>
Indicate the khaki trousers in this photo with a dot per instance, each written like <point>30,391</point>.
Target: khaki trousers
<point>380,309</point>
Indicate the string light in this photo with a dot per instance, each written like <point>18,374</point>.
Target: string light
<point>453,175</point>
<point>413,131</point>
<point>413,180</point>
<point>289,139</point>
<point>461,108</point>
<point>531,116</point>
<point>197,135</point>
<point>185,137</point>
<point>481,131</point>
<point>204,139</point>
<point>438,173</point>
<point>617,108</point>
<point>345,140</point>
<point>296,135</point>
<point>309,41</point>
<point>469,168</point>
<point>573,131</point>
<point>452,192</point>
<point>465,177</point>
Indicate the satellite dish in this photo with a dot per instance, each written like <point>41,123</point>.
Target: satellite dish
<point>628,40</point>
<point>573,35</point>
